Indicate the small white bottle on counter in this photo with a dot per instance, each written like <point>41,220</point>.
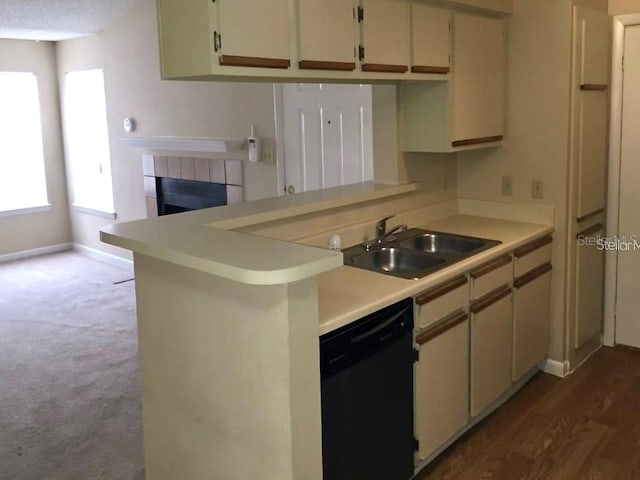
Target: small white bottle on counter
<point>335,243</point>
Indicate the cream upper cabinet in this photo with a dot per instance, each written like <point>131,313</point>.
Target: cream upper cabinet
<point>385,36</point>
<point>593,40</point>
<point>327,34</point>
<point>468,111</point>
<point>478,79</point>
<point>430,39</point>
<point>253,34</point>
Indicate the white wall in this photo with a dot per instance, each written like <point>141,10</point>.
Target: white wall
<point>622,7</point>
<point>26,232</point>
<point>128,53</point>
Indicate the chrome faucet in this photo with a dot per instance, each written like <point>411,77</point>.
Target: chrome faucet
<point>381,229</point>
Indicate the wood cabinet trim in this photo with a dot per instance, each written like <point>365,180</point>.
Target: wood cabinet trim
<point>490,298</point>
<point>260,62</point>
<point>490,267</point>
<point>476,141</point>
<point>428,69</point>
<point>531,275</point>
<point>589,215</point>
<point>323,65</point>
<point>532,246</point>
<point>441,290</point>
<point>593,87</point>
<point>381,67</point>
<point>590,231</point>
<point>442,326</point>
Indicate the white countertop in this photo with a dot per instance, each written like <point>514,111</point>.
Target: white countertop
<point>202,239</point>
<point>347,293</point>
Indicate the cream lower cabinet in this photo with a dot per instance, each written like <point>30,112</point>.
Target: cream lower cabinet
<point>442,371</point>
<point>442,382</point>
<point>491,348</point>
<point>531,305</point>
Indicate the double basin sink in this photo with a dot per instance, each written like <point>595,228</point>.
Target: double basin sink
<point>414,253</point>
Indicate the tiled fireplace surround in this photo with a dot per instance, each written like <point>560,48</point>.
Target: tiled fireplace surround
<point>226,172</point>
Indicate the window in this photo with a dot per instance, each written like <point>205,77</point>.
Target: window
<point>87,140</point>
<point>22,178</point>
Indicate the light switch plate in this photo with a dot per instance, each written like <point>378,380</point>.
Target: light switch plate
<point>537,188</point>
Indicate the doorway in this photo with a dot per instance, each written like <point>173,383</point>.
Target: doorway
<point>623,262</point>
<point>327,137</point>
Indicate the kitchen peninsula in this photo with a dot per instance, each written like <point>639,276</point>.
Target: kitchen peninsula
<point>230,305</point>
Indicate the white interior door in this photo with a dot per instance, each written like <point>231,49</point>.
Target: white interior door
<point>327,136</point>
<point>628,300</point>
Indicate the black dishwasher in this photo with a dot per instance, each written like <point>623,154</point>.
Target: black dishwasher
<point>367,397</point>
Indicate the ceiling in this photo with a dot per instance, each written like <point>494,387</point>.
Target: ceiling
<point>58,19</point>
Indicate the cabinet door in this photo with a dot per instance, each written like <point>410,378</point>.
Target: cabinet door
<point>478,79</point>
<point>385,36</point>
<point>253,34</point>
<point>327,32</point>
<point>589,288</point>
<point>491,348</point>
<point>592,28</point>
<point>442,382</point>
<point>430,39</point>
<point>531,319</point>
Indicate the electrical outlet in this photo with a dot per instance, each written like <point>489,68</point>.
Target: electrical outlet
<point>444,181</point>
<point>507,185</point>
<point>267,154</point>
<point>537,188</point>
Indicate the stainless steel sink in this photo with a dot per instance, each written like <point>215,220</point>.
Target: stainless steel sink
<point>443,242</point>
<point>401,262</point>
<point>414,253</point>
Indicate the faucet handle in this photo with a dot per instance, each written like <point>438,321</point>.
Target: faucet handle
<point>383,221</point>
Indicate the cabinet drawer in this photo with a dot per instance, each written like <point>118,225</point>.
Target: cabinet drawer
<point>438,302</point>
<point>490,276</point>
<point>532,255</point>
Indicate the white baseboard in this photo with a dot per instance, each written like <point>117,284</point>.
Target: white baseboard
<point>102,256</point>
<point>35,252</point>
<point>554,367</point>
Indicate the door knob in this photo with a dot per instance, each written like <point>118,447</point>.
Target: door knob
<point>291,189</point>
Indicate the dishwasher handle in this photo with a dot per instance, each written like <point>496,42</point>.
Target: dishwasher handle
<point>380,327</point>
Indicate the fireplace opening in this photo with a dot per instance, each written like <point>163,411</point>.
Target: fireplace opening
<point>175,195</point>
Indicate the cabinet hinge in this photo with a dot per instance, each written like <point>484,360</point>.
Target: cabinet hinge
<point>217,41</point>
<point>360,52</point>
<point>623,63</point>
<point>416,444</point>
<point>416,355</point>
<point>360,14</point>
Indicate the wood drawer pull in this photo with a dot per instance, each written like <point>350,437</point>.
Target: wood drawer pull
<point>530,247</point>
<point>260,62</point>
<point>589,215</point>
<point>490,298</point>
<point>441,290</point>
<point>441,327</point>
<point>531,275</point>
<point>380,67</point>
<point>322,65</point>
<point>490,267</point>
<point>590,231</point>
<point>476,141</point>
<point>427,69</point>
<point>592,87</point>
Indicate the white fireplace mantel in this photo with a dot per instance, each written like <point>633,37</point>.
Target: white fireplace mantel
<point>186,144</point>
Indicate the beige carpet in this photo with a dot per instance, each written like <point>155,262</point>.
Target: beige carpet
<point>69,387</point>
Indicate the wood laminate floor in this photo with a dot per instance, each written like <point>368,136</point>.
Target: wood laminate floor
<point>586,427</point>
